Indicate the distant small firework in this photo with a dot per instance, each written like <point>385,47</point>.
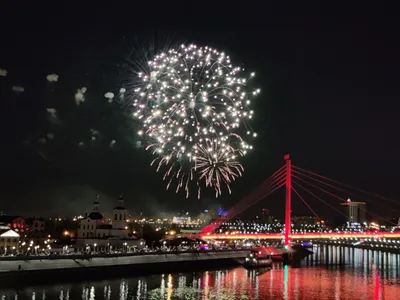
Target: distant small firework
<point>189,97</point>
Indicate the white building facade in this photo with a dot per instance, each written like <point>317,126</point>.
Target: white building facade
<point>95,231</point>
<point>9,240</point>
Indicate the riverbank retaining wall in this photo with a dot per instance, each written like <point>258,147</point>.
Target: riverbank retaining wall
<point>46,270</point>
<point>91,262</point>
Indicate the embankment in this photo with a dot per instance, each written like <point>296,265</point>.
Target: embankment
<point>43,270</point>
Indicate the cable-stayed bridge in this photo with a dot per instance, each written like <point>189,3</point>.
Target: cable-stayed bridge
<point>298,180</point>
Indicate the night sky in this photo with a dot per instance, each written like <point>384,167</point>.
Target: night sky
<point>330,88</point>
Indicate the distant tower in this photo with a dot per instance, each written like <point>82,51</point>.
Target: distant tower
<point>96,214</point>
<point>120,214</point>
<point>96,204</point>
<point>356,211</point>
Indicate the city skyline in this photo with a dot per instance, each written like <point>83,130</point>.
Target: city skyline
<point>331,107</point>
<point>205,150</point>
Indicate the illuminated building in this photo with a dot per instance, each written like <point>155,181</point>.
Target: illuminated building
<point>94,229</point>
<point>356,211</point>
<point>9,239</point>
<point>38,224</point>
<point>181,220</point>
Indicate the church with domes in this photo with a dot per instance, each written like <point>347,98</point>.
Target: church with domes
<point>95,229</point>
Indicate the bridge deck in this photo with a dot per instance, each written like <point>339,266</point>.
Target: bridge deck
<point>307,236</point>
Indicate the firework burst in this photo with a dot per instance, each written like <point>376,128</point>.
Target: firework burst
<point>192,100</point>
<point>217,164</point>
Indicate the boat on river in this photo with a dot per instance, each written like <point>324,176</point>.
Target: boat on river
<point>258,259</point>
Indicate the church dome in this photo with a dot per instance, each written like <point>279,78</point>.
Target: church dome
<point>95,215</point>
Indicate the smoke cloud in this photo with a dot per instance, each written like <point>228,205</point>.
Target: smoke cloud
<point>18,89</point>
<point>80,96</point>
<point>52,112</point>
<point>94,131</point>
<point>109,96</point>
<point>52,78</point>
<point>122,93</point>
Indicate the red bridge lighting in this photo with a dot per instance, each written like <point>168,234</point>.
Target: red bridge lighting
<point>295,178</point>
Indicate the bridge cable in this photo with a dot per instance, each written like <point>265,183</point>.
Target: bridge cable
<point>304,201</point>
<point>271,184</point>
<point>254,198</point>
<point>318,198</point>
<point>340,198</point>
<point>349,186</point>
<point>345,191</point>
<point>264,187</point>
<point>222,220</point>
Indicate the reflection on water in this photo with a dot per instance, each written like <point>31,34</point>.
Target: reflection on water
<point>360,275</point>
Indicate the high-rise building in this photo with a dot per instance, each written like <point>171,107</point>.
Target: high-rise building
<point>356,211</point>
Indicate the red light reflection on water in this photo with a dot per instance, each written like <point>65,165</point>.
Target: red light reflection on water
<point>377,286</point>
<point>373,276</point>
<point>303,283</point>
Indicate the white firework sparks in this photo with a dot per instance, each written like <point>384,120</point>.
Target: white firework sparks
<point>191,96</point>
<point>218,165</point>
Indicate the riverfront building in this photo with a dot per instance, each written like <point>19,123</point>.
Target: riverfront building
<point>356,211</point>
<point>9,240</point>
<point>95,230</point>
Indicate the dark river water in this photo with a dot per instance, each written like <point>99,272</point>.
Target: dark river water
<point>362,275</point>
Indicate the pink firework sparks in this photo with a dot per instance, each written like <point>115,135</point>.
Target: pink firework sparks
<point>218,165</point>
